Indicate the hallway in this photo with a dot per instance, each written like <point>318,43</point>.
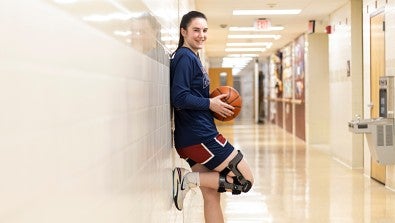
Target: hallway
<point>296,184</point>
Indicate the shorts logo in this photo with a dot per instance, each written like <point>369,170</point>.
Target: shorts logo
<point>208,152</point>
<point>221,140</point>
<point>211,153</point>
<point>198,153</point>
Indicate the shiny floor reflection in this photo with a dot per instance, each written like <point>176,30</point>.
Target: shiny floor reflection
<point>296,184</point>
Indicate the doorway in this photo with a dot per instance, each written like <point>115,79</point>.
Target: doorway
<point>221,77</point>
<point>377,69</point>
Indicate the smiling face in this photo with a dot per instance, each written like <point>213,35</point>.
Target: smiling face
<point>196,34</point>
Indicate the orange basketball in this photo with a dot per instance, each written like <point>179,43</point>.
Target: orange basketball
<point>233,99</point>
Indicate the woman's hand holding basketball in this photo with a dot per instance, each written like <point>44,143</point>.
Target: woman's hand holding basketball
<point>220,107</point>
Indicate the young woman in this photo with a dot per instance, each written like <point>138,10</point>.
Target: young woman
<point>216,165</point>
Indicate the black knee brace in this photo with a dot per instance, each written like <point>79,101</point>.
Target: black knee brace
<point>240,184</point>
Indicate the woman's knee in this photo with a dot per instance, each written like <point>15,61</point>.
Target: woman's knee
<point>237,168</point>
<point>237,165</point>
<point>245,170</point>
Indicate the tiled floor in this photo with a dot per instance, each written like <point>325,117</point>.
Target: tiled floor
<point>296,184</point>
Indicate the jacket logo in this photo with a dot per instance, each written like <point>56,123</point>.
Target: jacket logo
<point>206,79</point>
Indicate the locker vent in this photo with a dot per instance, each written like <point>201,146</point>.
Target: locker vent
<point>388,135</point>
<point>380,135</point>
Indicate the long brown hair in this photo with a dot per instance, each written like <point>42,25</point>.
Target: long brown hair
<point>186,19</point>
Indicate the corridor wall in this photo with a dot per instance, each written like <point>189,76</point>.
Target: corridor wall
<point>85,116</point>
<point>345,82</point>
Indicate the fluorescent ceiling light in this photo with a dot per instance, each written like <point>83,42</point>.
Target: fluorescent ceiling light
<point>237,64</point>
<point>255,36</point>
<point>233,65</point>
<point>267,12</point>
<point>237,60</point>
<point>230,63</point>
<point>265,44</point>
<point>254,29</point>
<point>242,55</point>
<point>245,49</point>
<point>228,58</point>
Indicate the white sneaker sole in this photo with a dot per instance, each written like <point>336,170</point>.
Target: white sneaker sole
<point>176,186</point>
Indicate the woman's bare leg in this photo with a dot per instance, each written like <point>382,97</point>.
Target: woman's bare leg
<point>209,183</point>
<point>212,199</point>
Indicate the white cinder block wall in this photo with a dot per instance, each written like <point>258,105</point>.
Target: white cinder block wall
<point>317,93</point>
<point>84,122</point>
<point>340,86</point>
<point>345,91</point>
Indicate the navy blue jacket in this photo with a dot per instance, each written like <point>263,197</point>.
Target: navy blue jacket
<point>189,95</point>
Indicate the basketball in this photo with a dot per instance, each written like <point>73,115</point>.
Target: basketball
<point>233,99</point>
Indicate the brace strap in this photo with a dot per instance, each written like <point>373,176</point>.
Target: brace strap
<point>240,184</point>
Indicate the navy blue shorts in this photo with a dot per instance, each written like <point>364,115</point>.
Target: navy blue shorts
<point>211,153</point>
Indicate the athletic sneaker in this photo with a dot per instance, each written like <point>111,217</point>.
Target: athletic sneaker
<point>179,188</point>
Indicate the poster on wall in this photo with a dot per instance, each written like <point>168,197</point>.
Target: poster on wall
<point>287,72</point>
<point>275,91</point>
<point>299,67</point>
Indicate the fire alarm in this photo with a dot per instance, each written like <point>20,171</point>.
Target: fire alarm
<point>328,29</point>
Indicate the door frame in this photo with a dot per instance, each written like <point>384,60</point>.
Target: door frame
<point>377,171</point>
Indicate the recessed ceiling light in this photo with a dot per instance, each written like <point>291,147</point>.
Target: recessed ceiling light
<point>267,12</point>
